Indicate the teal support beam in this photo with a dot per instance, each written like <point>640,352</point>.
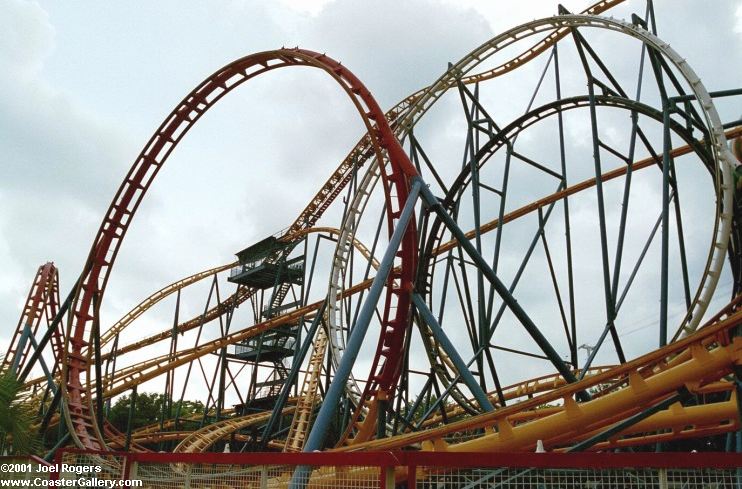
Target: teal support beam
<point>501,289</point>
<point>453,354</point>
<point>358,332</point>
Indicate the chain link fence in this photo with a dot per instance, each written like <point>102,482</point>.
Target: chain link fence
<point>418,470</point>
<point>23,468</point>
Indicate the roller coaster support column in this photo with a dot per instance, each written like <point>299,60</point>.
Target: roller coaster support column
<point>25,335</point>
<point>132,407</point>
<point>666,162</point>
<point>433,203</point>
<point>48,334</point>
<point>448,347</point>
<point>47,373</point>
<point>49,457</point>
<point>358,333</point>
<point>296,366</point>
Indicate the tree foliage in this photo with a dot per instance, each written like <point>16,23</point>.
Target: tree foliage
<point>17,435</point>
<point>148,409</point>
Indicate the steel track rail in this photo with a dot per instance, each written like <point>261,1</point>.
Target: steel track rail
<point>43,297</point>
<point>551,26</point>
<point>200,440</point>
<point>337,181</point>
<point>134,371</point>
<point>308,397</point>
<point>190,110</point>
<point>78,410</point>
<point>696,360</point>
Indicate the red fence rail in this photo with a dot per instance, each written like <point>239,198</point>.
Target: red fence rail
<point>413,469</point>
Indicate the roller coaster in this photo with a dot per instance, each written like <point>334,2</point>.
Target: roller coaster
<point>419,303</point>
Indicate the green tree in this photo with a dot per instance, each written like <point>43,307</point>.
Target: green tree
<point>147,410</point>
<point>17,436</point>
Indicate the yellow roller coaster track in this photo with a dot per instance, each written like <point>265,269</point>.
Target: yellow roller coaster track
<point>202,439</point>
<point>647,383</point>
<point>324,196</point>
<point>308,396</point>
<point>146,304</point>
<point>153,299</point>
<point>140,372</point>
<point>705,357</point>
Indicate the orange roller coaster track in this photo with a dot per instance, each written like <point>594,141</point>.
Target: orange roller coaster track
<point>83,319</point>
<point>42,301</point>
<point>554,409</point>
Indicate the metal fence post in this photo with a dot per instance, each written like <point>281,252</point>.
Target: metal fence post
<point>57,462</point>
<point>411,476</point>
<point>386,476</point>
<point>662,478</point>
<point>187,478</point>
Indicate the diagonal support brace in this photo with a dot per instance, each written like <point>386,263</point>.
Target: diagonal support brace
<point>358,332</point>
<point>293,375</point>
<point>450,350</point>
<point>432,202</point>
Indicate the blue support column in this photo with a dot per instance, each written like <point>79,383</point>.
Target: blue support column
<point>666,162</point>
<point>358,332</point>
<point>450,350</point>
<point>501,289</point>
<point>25,335</point>
<point>47,374</point>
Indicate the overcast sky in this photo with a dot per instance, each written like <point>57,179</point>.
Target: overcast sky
<point>83,85</point>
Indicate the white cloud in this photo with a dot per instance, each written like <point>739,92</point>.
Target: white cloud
<point>28,37</point>
<point>59,161</point>
<point>311,7</point>
<point>83,87</point>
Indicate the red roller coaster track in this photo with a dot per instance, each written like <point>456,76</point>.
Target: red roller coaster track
<point>88,296</point>
<point>43,298</point>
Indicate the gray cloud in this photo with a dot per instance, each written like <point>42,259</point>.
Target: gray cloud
<point>82,89</point>
<point>60,161</point>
